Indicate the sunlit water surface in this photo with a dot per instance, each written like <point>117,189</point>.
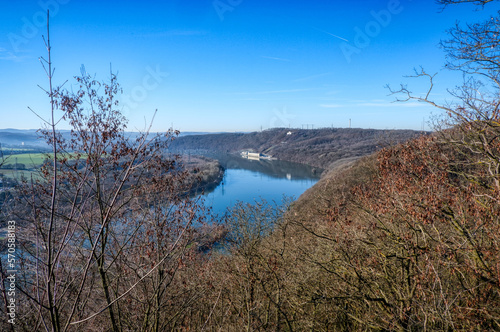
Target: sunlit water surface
<point>252,180</point>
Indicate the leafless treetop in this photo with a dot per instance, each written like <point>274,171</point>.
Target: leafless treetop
<point>445,3</point>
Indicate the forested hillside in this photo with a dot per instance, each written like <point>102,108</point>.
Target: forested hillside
<point>320,147</point>
<point>405,239</point>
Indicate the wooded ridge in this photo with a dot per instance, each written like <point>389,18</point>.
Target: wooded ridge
<point>323,148</point>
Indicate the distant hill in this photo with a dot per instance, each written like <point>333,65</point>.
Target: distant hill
<point>30,138</point>
<point>21,138</point>
<point>324,148</point>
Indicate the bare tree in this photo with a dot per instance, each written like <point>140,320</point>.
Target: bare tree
<point>475,110</point>
<point>467,159</point>
<point>454,2</point>
<point>105,214</point>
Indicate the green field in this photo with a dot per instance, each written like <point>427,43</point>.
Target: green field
<point>30,160</point>
<point>13,174</point>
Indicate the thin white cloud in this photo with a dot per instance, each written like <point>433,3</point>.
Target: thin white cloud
<point>176,32</point>
<point>251,99</point>
<point>331,106</point>
<point>307,78</point>
<point>10,56</point>
<point>375,104</point>
<point>272,91</point>
<point>385,104</point>
<point>275,58</point>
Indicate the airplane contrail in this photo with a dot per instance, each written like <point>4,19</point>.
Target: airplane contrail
<point>331,34</point>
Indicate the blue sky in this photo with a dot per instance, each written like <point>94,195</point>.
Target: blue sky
<point>233,65</point>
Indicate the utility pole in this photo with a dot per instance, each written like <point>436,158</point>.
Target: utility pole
<point>349,123</point>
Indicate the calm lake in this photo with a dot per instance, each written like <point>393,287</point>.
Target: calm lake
<point>250,180</point>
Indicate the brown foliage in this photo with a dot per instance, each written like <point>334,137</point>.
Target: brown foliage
<point>107,226</point>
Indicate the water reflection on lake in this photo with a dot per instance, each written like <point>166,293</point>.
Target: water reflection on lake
<point>249,180</point>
